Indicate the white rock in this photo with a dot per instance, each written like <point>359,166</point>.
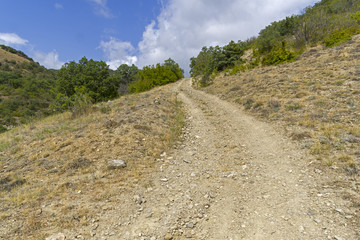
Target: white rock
<point>59,236</point>
<point>113,164</point>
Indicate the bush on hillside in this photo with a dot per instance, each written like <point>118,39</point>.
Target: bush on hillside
<point>356,16</point>
<point>211,60</point>
<point>340,36</point>
<point>126,74</point>
<point>79,103</point>
<point>161,74</point>
<point>281,55</point>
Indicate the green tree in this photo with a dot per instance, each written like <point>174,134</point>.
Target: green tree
<point>92,75</point>
<point>161,74</point>
<point>174,67</point>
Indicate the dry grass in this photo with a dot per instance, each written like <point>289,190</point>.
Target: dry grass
<point>54,172</point>
<point>11,57</point>
<point>316,99</point>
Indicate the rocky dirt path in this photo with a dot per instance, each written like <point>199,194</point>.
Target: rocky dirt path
<point>235,178</point>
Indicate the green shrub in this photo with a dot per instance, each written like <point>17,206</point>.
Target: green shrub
<point>278,56</point>
<point>105,109</point>
<point>293,106</point>
<point>81,102</point>
<point>61,103</point>
<point>340,36</point>
<point>141,85</point>
<point>78,104</point>
<point>238,68</point>
<point>356,16</point>
<point>161,74</point>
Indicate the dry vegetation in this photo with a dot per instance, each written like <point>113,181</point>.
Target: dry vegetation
<point>316,98</point>
<point>11,57</point>
<point>54,173</point>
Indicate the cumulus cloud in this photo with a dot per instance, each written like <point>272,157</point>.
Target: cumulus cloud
<point>118,52</point>
<point>185,26</point>
<point>12,39</point>
<point>49,60</point>
<point>101,8</point>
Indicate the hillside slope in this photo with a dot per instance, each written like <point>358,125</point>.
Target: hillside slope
<point>55,173</point>
<point>26,88</point>
<point>230,176</point>
<point>316,99</point>
<point>6,55</point>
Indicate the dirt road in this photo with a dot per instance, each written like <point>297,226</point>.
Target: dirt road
<point>236,178</point>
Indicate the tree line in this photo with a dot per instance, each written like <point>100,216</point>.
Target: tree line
<point>328,22</point>
<point>28,90</point>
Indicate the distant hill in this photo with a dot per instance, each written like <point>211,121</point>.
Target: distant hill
<point>10,54</point>
<point>26,88</point>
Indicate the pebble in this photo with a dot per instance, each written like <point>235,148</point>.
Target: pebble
<point>339,210</point>
<point>139,200</point>
<point>311,213</point>
<point>190,225</point>
<point>168,236</point>
<point>317,220</point>
<point>114,164</point>
<point>59,236</point>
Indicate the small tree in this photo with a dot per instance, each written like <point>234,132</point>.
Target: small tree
<point>125,75</point>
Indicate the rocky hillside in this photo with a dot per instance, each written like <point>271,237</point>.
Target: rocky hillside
<point>132,169</point>
<point>58,173</point>
<point>316,99</point>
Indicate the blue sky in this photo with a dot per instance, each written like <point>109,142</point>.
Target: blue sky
<point>142,32</point>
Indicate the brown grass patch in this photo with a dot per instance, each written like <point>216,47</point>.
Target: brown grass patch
<point>55,173</point>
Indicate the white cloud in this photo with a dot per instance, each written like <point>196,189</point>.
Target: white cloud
<point>12,38</point>
<point>101,8</point>
<point>184,26</point>
<point>49,60</point>
<point>128,60</point>
<point>118,52</point>
<point>58,6</point>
